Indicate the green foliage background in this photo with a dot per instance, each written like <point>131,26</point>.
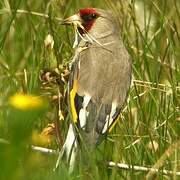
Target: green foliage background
<point>149,129</point>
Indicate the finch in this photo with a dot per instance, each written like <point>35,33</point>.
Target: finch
<point>99,80</point>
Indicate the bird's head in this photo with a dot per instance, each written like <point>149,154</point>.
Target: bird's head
<point>83,20</point>
<point>93,24</point>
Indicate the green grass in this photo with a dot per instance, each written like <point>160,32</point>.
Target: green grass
<point>149,129</point>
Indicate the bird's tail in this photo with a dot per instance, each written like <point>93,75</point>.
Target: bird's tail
<point>69,149</point>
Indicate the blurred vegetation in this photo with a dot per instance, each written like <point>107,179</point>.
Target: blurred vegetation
<point>34,55</point>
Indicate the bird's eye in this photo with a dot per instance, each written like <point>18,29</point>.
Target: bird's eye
<point>89,17</point>
<point>93,16</point>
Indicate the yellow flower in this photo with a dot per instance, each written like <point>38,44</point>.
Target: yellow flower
<point>26,102</point>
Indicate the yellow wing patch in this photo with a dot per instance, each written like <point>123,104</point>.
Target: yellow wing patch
<point>72,96</point>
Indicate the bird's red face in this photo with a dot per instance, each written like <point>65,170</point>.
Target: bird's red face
<point>83,20</point>
<point>88,16</point>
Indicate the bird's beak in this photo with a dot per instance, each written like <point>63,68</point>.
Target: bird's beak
<point>74,20</point>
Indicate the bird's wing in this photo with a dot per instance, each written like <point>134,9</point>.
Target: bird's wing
<point>99,83</point>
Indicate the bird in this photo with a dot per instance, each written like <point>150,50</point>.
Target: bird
<point>99,82</point>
